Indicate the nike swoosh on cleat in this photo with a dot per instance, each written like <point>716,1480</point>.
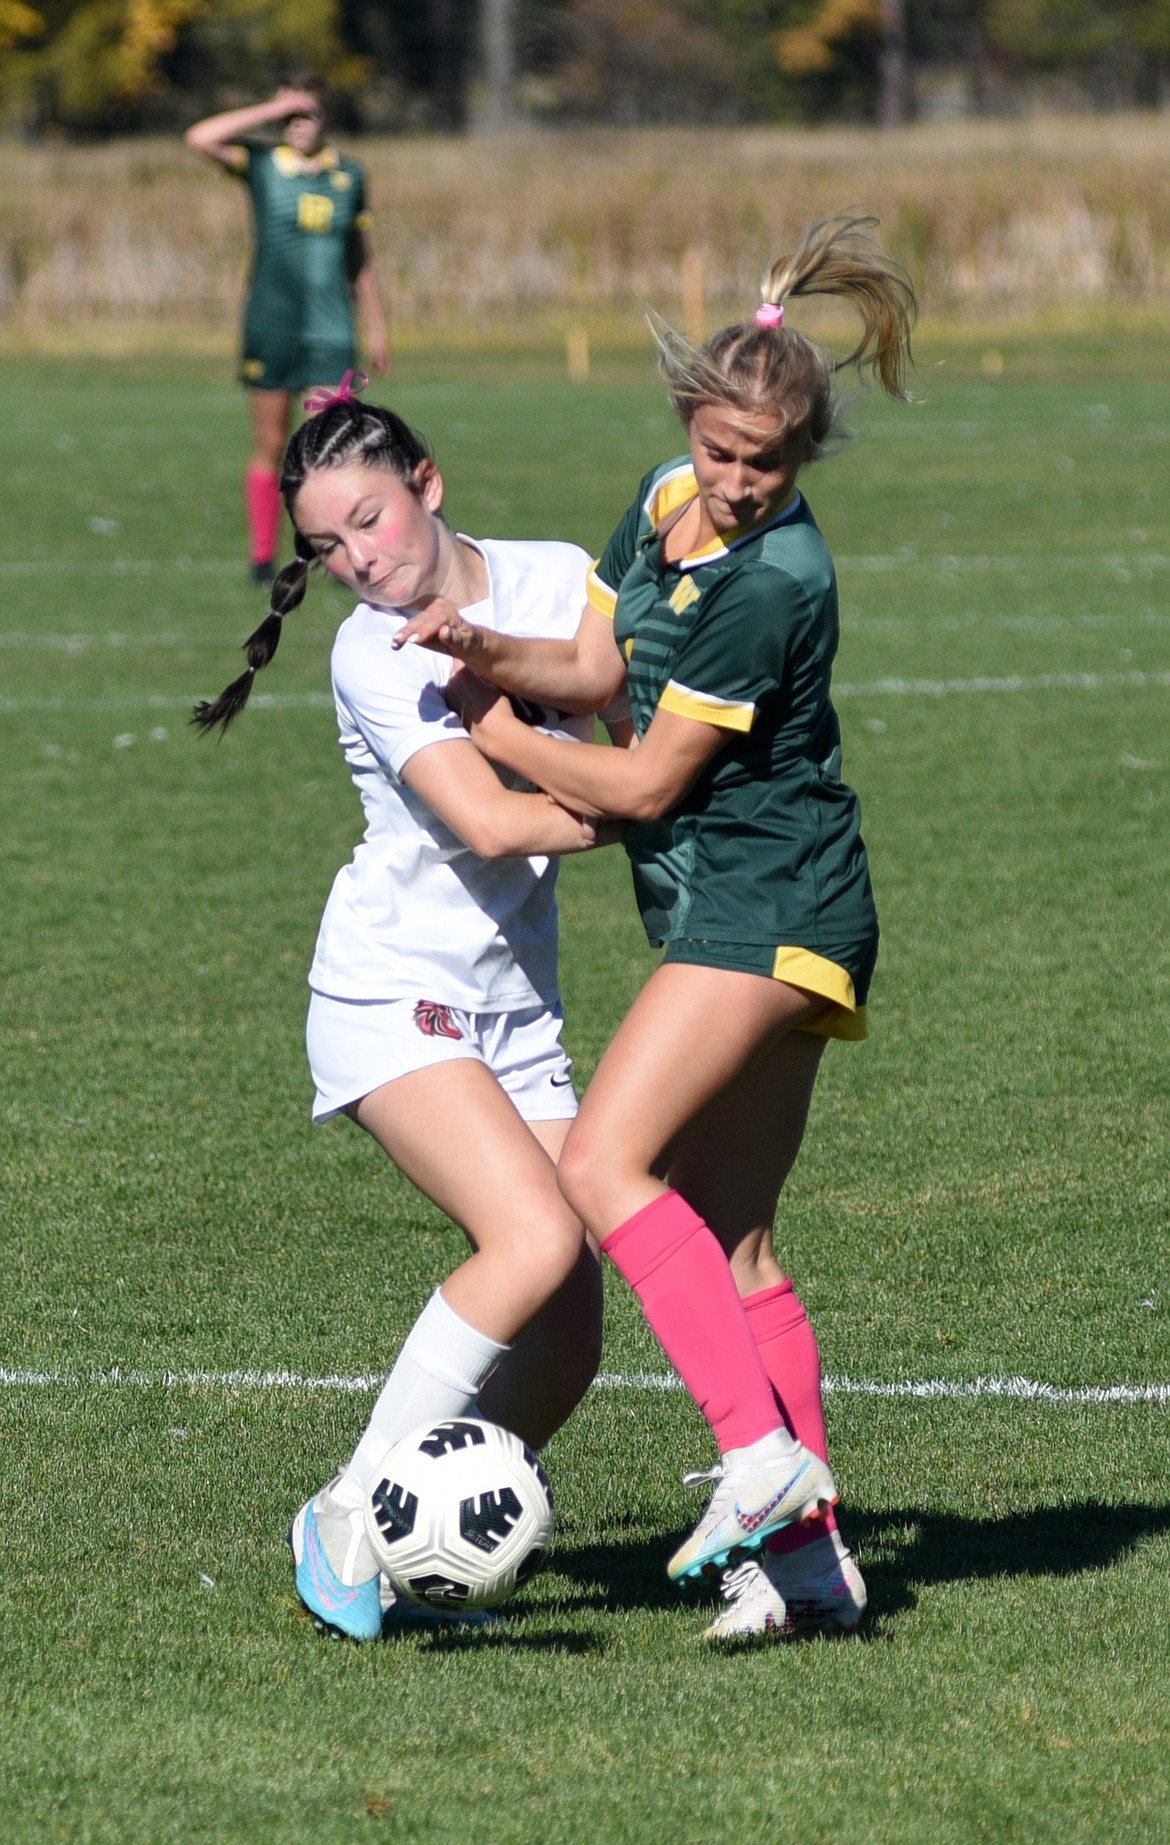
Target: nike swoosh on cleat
<point>751,1521</point>
<point>323,1588</point>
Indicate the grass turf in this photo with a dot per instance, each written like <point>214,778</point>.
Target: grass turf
<point>982,1193</point>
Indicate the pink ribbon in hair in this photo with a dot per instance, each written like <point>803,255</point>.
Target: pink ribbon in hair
<point>323,397</point>
<point>770,314</point>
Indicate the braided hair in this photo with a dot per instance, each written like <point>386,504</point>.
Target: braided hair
<point>342,433</point>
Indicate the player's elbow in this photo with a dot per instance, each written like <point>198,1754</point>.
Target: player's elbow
<point>594,689</point>
<point>489,833</point>
<point>650,800</point>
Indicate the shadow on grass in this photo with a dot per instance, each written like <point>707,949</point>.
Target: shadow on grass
<point>911,1549</point>
<point>506,1638</point>
<point>901,1552</point>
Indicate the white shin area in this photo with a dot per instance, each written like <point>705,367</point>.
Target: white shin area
<point>441,1369</point>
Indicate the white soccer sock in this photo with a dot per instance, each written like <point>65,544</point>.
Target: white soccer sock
<point>441,1369</point>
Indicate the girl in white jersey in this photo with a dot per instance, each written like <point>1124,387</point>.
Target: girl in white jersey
<point>434,982</point>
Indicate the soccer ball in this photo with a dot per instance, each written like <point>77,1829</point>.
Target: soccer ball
<point>459,1514</point>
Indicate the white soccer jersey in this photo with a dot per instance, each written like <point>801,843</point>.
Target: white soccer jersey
<point>416,913</point>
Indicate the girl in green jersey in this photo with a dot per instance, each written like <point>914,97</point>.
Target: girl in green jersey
<point>311,266</point>
<point>716,598</point>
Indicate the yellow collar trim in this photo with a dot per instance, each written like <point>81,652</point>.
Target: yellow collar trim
<point>676,490</point>
<point>289,164</point>
<point>722,543</point>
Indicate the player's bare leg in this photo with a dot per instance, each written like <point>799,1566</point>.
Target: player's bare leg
<point>731,1163</point>
<point>458,1137</point>
<point>538,1385</point>
<point>688,1035</point>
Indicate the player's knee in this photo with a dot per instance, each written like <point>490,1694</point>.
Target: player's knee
<point>574,1175</point>
<point>548,1249</point>
<point>585,1179</point>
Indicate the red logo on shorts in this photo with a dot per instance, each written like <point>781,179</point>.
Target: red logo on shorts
<point>435,1021</point>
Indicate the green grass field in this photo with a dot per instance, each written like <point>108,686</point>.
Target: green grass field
<point>983,1193</point>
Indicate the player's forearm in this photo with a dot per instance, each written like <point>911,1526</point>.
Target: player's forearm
<point>588,777</point>
<point>371,313</point>
<point>548,672</point>
<point>217,131</point>
<point>369,301</point>
<point>527,826</point>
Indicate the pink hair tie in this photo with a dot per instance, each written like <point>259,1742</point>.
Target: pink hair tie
<point>770,314</point>
<point>323,397</point>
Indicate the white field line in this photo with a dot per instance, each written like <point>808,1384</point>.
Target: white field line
<point>979,563</point>
<point>121,566</point>
<point>135,643</point>
<point>1017,1389</point>
<point>1040,682</point>
<point>872,688</point>
<point>991,564</point>
<point>119,642</point>
<point>156,701</point>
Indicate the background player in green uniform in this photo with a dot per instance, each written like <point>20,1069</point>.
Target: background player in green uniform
<point>719,592</point>
<point>311,266</point>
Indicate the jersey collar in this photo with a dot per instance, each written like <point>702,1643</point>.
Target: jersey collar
<point>290,165</point>
<point>676,489</point>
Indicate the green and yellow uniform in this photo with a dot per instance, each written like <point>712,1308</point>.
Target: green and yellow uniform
<point>761,866</point>
<point>299,326</point>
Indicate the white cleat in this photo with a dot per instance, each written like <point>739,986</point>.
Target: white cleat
<point>748,1504</point>
<point>817,1589</point>
<point>822,1587</point>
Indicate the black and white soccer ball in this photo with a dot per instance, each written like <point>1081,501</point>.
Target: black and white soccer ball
<point>459,1514</point>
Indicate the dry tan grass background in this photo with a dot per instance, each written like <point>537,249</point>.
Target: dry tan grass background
<point>140,243</point>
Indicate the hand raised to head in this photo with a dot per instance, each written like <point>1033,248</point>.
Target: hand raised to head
<point>298,102</point>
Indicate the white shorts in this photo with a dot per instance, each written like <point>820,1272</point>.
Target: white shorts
<point>356,1045</point>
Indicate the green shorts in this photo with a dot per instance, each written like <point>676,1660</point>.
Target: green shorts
<point>293,364</point>
<point>842,980</point>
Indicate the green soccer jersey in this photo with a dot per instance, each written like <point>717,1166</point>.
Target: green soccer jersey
<point>301,292</point>
<point>766,847</point>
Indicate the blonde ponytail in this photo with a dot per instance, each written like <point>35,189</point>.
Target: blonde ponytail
<point>763,365</point>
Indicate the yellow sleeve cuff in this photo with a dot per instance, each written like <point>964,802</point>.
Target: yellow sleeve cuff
<point>726,713</point>
<point>600,596</point>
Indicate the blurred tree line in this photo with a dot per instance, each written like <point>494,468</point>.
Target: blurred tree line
<point>102,66</point>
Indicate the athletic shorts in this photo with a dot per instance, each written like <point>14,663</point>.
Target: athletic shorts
<point>356,1045</point>
<point>843,981</point>
<point>288,363</point>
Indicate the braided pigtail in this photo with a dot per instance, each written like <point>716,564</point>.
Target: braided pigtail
<point>764,365</point>
<point>337,432</point>
<point>288,592</point>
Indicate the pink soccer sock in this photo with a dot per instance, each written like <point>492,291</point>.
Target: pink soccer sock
<point>788,1349</point>
<point>682,1278</point>
<point>262,502</point>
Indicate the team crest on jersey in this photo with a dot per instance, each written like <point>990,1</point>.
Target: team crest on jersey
<point>684,595</point>
<point>340,181</point>
<point>435,1021</point>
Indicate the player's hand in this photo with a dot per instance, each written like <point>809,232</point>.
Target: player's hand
<point>483,709</point>
<point>440,626</point>
<point>297,102</point>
